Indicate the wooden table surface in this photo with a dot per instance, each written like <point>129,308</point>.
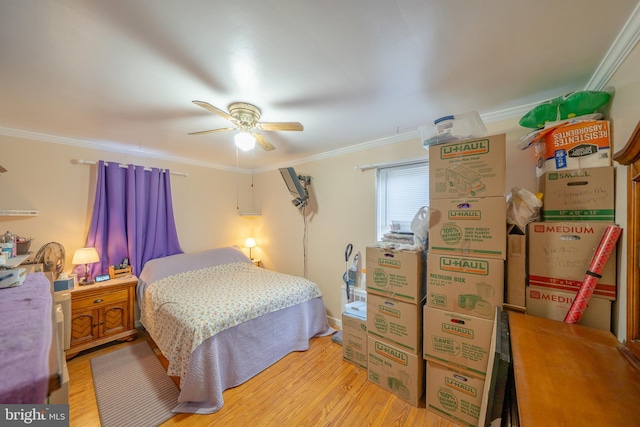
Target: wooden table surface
<point>571,375</point>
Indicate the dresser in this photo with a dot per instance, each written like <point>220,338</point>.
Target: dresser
<point>571,375</point>
<point>101,313</point>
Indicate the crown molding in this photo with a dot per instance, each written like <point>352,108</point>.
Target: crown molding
<point>623,45</point>
<point>111,147</point>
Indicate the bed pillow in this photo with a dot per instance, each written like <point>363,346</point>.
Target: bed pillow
<point>160,268</point>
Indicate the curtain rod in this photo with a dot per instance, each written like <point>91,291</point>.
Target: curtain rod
<point>391,164</point>
<point>91,162</point>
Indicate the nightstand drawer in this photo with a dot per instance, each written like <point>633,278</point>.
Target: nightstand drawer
<point>99,299</point>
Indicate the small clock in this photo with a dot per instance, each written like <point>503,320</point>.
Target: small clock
<point>102,278</point>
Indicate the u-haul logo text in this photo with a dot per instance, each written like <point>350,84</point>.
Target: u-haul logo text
<point>457,330</point>
<point>460,386</point>
<point>462,149</point>
<point>388,263</point>
<point>393,312</point>
<point>465,215</point>
<point>391,353</point>
<point>464,265</point>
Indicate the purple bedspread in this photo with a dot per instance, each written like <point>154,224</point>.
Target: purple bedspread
<point>25,339</point>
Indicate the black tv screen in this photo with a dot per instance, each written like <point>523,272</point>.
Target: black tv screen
<point>293,183</point>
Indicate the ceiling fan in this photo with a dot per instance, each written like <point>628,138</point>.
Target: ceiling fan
<point>246,118</point>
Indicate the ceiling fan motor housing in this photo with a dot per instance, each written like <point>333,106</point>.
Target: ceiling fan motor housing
<point>247,115</point>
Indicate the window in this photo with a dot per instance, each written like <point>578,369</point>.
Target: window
<point>402,190</point>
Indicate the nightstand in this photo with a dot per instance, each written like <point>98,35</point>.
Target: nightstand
<point>101,313</point>
<point>256,262</point>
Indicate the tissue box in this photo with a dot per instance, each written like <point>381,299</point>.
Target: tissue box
<point>63,284</point>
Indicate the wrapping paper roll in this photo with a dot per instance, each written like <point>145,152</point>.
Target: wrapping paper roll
<point>593,274</point>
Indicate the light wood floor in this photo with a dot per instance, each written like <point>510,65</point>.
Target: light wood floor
<point>311,388</point>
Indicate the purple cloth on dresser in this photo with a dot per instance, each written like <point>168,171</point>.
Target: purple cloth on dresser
<point>25,339</point>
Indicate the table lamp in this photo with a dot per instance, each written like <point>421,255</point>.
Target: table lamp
<point>85,256</point>
<point>250,243</point>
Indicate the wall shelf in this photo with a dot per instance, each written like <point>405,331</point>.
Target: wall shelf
<point>18,212</point>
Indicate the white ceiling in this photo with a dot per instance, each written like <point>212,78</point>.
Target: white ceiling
<point>120,75</point>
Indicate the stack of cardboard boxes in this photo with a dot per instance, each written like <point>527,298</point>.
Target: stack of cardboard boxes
<point>578,204</point>
<point>395,296</point>
<point>465,271</point>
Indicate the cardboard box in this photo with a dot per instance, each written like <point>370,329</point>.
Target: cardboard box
<point>579,195</point>
<point>560,254</point>
<point>395,322</point>
<point>457,339</point>
<point>395,274</point>
<point>473,286</point>
<point>454,395</point>
<point>516,266</point>
<point>471,168</point>
<point>396,370</point>
<point>554,305</point>
<point>469,227</point>
<point>585,144</point>
<point>354,340</point>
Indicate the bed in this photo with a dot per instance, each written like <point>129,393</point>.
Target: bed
<point>220,320</point>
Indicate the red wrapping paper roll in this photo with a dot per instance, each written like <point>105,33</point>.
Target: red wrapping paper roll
<point>598,262</point>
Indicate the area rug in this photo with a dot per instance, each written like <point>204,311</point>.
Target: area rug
<point>133,388</point>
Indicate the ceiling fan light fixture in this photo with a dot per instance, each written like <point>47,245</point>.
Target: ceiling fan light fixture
<point>245,141</point>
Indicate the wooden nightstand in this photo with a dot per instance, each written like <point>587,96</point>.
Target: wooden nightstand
<point>256,262</point>
<point>101,313</point>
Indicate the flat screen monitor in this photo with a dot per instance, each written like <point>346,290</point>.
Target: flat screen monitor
<point>293,183</point>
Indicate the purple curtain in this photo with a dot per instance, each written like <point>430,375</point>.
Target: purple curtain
<point>132,217</point>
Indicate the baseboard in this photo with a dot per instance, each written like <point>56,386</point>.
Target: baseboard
<point>335,323</point>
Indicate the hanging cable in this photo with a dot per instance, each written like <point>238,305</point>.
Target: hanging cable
<point>237,184</point>
<point>304,241</point>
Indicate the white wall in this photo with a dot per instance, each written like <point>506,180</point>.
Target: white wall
<point>344,211</point>
<point>625,114</point>
<point>41,176</point>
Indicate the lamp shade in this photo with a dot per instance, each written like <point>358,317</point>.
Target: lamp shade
<point>85,256</point>
<point>245,141</point>
<point>250,242</point>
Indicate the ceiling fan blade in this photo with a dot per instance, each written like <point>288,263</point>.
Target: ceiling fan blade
<point>213,109</point>
<point>280,126</point>
<point>202,132</point>
<point>262,142</point>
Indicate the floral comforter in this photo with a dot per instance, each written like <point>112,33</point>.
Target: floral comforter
<point>183,310</point>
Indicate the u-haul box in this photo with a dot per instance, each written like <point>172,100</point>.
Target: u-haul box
<point>560,253</point>
<point>395,370</point>
<point>470,168</point>
<point>469,227</point>
<point>396,322</point>
<point>395,274</point>
<point>453,394</point>
<point>354,340</point>
<point>473,286</point>
<point>457,339</point>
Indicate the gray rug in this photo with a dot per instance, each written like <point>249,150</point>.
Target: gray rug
<point>133,388</point>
